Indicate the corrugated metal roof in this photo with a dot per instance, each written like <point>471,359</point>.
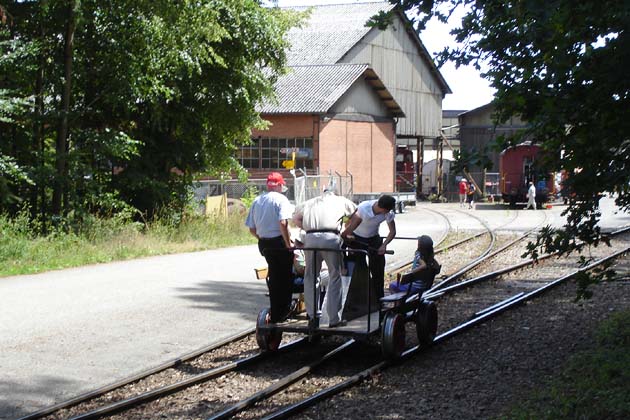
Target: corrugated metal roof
<point>452,113</point>
<point>315,89</point>
<point>331,31</point>
<point>312,89</point>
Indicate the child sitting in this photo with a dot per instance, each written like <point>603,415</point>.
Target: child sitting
<point>423,270</point>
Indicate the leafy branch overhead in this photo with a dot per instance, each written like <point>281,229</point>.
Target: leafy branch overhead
<point>561,66</point>
<point>130,98</point>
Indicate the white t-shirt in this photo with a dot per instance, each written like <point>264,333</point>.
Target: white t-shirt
<point>531,192</point>
<point>370,221</point>
<point>324,212</point>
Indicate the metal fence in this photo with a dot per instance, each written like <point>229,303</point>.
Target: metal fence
<point>299,188</point>
<point>310,186</point>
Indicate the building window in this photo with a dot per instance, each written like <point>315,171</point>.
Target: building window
<point>269,153</point>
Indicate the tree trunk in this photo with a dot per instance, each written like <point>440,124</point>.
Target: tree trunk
<point>38,128</point>
<point>60,185</point>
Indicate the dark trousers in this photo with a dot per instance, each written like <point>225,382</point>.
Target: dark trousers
<point>377,262</point>
<point>279,262</point>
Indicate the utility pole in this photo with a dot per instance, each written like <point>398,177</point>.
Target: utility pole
<point>419,165</point>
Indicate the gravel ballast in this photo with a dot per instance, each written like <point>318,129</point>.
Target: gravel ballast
<point>483,371</point>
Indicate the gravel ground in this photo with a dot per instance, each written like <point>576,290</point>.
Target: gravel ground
<point>474,375</point>
<point>482,372</point>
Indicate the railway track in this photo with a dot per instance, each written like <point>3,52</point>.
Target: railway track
<point>347,352</point>
<point>474,318</point>
<point>181,362</point>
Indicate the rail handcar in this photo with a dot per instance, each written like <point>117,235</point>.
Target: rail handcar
<point>518,165</point>
<point>366,316</point>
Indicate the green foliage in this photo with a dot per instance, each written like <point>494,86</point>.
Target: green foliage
<point>159,91</point>
<point>99,239</point>
<point>469,158</point>
<point>250,195</point>
<point>10,173</point>
<point>594,385</point>
<point>562,67</point>
<point>597,275</point>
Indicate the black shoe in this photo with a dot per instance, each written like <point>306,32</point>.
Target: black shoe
<point>341,323</point>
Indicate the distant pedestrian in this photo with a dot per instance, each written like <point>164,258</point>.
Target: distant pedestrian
<point>531,196</point>
<point>471,195</point>
<point>463,189</point>
<point>268,221</point>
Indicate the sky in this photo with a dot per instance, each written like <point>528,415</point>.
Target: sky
<point>470,90</point>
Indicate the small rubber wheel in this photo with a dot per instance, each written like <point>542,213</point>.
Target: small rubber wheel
<point>393,335</point>
<point>268,340</point>
<point>426,322</point>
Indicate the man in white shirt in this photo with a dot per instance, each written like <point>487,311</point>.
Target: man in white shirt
<point>268,221</point>
<point>362,233</point>
<point>531,196</point>
<point>321,218</point>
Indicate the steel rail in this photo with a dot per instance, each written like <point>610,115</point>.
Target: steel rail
<point>403,266</point>
<point>400,266</point>
<point>289,410</point>
<point>448,225</point>
<point>488,276</point>
<point>474,263</point>
<point>528,296</point>
<point>462,271</point>
<point>280,385</point>
<point>496,305</point>
<point>442,286</point>
<point>177,386</point>
<point>516,214</point>
<point>141,375</point>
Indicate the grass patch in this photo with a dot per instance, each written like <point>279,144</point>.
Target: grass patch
<point>594,384</point>
<point>107,240</point>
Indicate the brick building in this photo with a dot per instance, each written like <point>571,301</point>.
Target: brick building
<point>352,94</point>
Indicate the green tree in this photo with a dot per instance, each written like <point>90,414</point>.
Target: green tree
<point>128,99</point>
<point>562,66</point>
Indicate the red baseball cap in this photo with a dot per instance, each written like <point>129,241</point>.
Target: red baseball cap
<point>274,179</point>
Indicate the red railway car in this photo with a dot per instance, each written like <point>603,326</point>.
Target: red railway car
<point>405,170</point>
<point>518,166</point>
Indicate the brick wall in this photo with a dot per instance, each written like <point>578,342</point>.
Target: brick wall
<point>363,148</point>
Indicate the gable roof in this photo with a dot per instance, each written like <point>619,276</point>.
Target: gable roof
<point>315,89</point>
<point>331,31</point>
<point>452,113</point>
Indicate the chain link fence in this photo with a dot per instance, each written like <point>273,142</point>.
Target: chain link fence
<point>310,186</point>
<point>299,188</point>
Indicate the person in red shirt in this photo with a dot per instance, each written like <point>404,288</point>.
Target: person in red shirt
<point>463,190</point>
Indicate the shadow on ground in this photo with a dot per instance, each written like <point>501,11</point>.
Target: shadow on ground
<point>20,399</point>
<point>227,296</point>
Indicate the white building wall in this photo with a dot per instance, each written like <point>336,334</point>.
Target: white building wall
<point>360,99</point>
<point>395,57</point>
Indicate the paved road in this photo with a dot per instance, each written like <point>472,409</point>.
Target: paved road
<point>69,331</point>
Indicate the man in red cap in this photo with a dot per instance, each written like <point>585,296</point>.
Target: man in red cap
<point>268,220</point>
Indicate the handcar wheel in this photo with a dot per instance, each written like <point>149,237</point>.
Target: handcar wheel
<point>268,340</point>
<point>393,335</point>
<point>426,322</point>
